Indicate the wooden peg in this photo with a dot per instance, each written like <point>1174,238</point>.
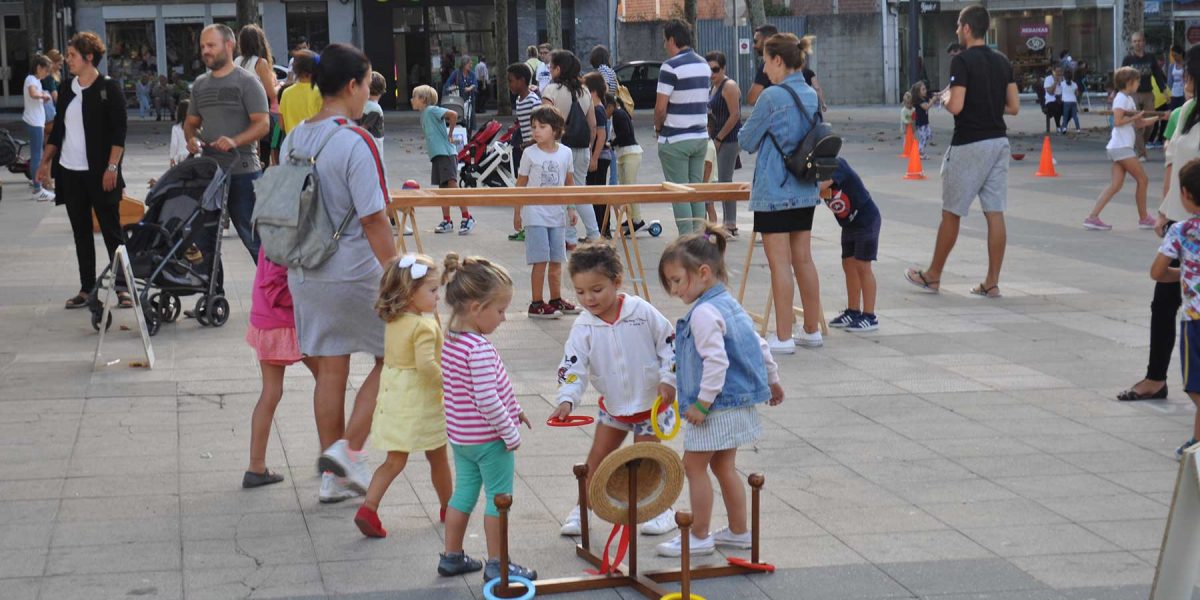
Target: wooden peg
<point>756,481</point>
<point>581,473</point>
<point>503,503</point>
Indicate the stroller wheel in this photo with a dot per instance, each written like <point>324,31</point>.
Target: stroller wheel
<point>218,311</point>
<point>655,229</point>
<point>96,321</point>
<point>152,316</point>
<point>167,305</point>
<point>201,311</point>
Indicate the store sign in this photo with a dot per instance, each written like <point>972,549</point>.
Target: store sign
<point>1035,43</point>
<point>929,8</point>
<point>744,46</point>
<point>1035,30</point>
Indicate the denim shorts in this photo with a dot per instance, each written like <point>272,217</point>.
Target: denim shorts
<point>1189,354</point>
<point>544,244</point>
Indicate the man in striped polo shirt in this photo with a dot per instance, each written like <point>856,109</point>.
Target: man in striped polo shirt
<point>681,119</point>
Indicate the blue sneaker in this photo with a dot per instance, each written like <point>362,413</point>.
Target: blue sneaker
<point>847,317</point>
<point>864,322</point>
<point>457,563</point>
<point>492,571</point>
<point>1188,444</point>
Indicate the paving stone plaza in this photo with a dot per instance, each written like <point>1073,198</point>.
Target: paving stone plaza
<point>970,448</point>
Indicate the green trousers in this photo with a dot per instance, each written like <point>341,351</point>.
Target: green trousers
<point>683,162</point>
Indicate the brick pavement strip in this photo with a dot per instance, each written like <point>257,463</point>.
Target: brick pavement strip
<point>969,449</point>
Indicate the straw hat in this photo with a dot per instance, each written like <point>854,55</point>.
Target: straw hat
<point>659,482</point>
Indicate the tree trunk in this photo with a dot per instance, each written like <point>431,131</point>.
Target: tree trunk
<point>247,12</point>
<point>554,24</point>
<point>1131,21</point>
<point>689,12</point>
<point>500,63</point>
<point>758,13</point>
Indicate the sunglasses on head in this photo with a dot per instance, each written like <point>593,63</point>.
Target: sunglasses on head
<point>715,69</point>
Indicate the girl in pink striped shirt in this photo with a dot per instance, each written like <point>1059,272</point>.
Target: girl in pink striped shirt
<point>482,414</point>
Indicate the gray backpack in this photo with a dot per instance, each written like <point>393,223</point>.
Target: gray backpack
<point>289,213</point>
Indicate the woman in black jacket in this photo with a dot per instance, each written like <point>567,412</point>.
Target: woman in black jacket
<point>87,165</point>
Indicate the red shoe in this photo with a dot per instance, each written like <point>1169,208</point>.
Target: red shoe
<point>368,523</point>
<point>442,514</point>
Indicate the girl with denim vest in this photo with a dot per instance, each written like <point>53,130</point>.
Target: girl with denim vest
<point>723,370</point>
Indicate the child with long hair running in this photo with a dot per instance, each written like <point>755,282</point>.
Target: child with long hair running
<point>409,416</point>
<point>724,370</point>
<point>482,414</point>
<point>624,346</point>
<point>1121,151</point>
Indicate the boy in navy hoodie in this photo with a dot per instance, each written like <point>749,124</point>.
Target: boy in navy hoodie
<point>859,218</point>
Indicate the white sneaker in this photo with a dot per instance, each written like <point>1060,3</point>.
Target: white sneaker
<point>807,340</point>
<point>725,537</point>
<point>778,346</point>
<point>571,525</point>
<point>696,546</point>
<point>664,523</point>
<point>333,490</point>
<point>338,459</point>
<point>44,195</point>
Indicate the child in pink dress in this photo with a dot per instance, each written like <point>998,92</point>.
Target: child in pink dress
<point>272,334</point>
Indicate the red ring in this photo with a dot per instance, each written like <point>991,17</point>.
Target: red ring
<point>571,421</point>
<point>745,564</point>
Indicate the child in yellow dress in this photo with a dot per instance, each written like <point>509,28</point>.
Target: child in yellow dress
<point>409,414</point>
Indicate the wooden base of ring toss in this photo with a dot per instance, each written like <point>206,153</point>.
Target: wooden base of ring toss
<point>648,583</point>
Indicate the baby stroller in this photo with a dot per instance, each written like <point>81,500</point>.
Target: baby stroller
<point>175,250</point>
<point>464,107</point>
<point>487,160</point>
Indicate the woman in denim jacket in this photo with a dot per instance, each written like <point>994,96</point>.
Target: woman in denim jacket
<point>724,371</point>
<point>783,205</point>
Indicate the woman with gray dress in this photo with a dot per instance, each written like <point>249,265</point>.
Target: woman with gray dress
<point>334,303</point>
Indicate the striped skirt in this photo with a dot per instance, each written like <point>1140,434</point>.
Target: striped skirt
<point>723,430</point>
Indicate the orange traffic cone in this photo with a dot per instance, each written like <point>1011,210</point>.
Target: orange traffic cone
<point>1046,166</point>
<point>914,165</point>
<point>909,141</point>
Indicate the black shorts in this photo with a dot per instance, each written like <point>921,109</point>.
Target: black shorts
<point>443,168</point>
<point>862,248</point>
<point>784,221</point>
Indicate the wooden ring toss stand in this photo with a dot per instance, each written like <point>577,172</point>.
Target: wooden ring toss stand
<point>627,574</point>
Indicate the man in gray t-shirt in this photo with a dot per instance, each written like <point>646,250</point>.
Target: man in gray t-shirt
<point>228,113</point>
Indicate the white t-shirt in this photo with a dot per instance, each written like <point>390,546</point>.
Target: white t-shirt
<point>1123,136</point>
<point>74,149</point>
<point>35,113</point>
<point>545,169</point>
<point>1051,92</point>
<point>1069,89</point>
<point>710,157</point>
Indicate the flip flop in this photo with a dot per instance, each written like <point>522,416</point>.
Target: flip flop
<point>986,292</point>
<point>124,300</point>
<point>267,477</point>
<point>917,278</point>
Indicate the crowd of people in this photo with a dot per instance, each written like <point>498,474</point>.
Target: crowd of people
<point>445,393</point>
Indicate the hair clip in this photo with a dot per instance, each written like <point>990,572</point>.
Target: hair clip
<point>409,261</point>
<point>707,236</point>
<point>316,58</point>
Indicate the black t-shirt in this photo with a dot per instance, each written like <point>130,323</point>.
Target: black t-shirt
<point>986,74</point>
<point>1147,65</point>
<point>760,77</point>
<point>920,115</point>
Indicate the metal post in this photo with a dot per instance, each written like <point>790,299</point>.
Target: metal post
<point>914,34</point>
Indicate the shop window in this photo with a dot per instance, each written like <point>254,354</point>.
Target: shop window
<point>309,20</point>
<point>131,53</point>
<point>183,50</point>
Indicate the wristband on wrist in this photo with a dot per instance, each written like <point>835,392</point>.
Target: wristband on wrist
<point>703,409</point>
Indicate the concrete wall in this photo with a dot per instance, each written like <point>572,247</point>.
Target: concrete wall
<point>527,26</point>
<point>274,18</point>
<point>848,57</point>
<point>343,23</point>
<point>640,41</point>
<point>592,27</point>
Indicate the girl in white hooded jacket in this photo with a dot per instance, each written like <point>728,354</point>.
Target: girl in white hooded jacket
<point>625,348</point>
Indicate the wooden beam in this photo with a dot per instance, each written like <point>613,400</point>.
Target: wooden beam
<point>613,194</point>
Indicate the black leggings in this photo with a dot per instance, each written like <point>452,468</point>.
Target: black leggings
<point>600,177</point>
<point>1163,316</point>
<point>83,193</point>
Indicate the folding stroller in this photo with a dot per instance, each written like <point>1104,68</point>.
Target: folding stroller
<point>487,159</point>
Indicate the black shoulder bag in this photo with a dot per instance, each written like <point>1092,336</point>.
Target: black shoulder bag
<point>815,157</point>
<point>577,135</point>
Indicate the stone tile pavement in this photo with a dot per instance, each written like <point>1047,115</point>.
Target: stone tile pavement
<point>969,449</point>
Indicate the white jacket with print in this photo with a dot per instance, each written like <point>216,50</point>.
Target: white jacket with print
<point>624,361</point>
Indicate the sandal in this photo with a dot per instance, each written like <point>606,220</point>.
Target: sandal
<point>78,301</point>
<point>124,300</point>
<point>985,291</point>
<point>1131,395</point>
<point>917,278</point>
<point>267,477</point>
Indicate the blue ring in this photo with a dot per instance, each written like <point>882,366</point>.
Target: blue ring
<point>530,589</point>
